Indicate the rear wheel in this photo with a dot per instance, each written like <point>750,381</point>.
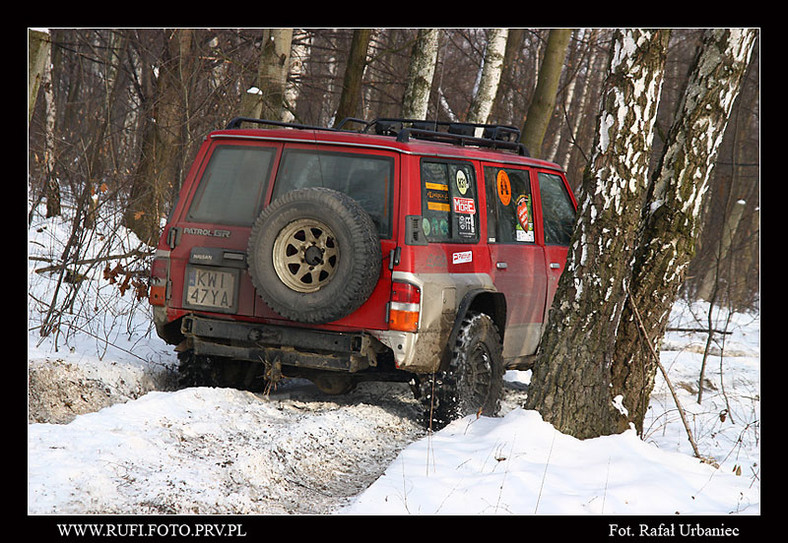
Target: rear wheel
<point>333,384</point>
<point>195,370</point>
<point>473,382</point>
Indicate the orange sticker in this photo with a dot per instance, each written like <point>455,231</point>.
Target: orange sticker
<point>504,188</point>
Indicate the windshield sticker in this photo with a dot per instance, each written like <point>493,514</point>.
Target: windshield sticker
<point>437,195</point>
<point>523,212</point>
<point>462,181</point>
<point>465,206</point>
<point>504,188</point>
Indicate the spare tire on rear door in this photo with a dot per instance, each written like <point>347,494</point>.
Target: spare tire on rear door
<point>314,255</point>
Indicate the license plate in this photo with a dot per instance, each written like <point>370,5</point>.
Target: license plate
<point>210,289</point>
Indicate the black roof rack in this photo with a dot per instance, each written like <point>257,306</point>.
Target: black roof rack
<point>237,121</point>
<point>493,136</point>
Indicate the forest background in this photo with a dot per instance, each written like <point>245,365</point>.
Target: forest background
<point>113,109</point>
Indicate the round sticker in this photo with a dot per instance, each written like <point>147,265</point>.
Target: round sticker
<point>504,188</point>
<point>425,226</point>
<point>462,182</point>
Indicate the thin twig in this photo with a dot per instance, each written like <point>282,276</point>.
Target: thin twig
<point>655,356</point>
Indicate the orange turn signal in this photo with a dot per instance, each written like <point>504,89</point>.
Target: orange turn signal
<point>404,321</point>
<point>156,294</point>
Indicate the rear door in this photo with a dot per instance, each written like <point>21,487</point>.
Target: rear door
<point>366,175</point>
<point>208,241</point>
<point>518,261</point>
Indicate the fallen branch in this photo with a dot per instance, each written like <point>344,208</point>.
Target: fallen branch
<point>700,330</point>
<point>655,356</point>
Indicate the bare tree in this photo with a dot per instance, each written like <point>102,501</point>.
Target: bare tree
<point>159,169</point>
<point>633,239</point>
<point>490,75</point>
<point>420,74</point>
<point>267,98</point>
<point>541,109</point>
<point>572,374</point>
<point>38,59</point>
<point>671,215</point>
<point>350,100</point>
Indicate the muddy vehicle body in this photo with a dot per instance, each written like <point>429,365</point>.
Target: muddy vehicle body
<point>405,250</point>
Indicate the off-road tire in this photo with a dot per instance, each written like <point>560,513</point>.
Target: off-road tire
<point>196,370</point>
<point>340,259</point>
<point>473,382</point>
<point>333,384</point>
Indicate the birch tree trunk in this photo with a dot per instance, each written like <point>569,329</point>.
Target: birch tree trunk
<point>51,189</point>
<point>671,215</point>
<point>38,58</point>
<point>543,103</point>
<point>267,100</point>
<point>415,102</point>
<point>572,375</point>
<point>490,76</point>
<point>299,54</point>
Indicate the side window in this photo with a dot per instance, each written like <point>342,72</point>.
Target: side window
<point>449,202</point>
<point>557,209</point>
<point>232,186</point>
<point>510,216</point>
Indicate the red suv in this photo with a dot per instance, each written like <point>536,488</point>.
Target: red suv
<point>406,250</point>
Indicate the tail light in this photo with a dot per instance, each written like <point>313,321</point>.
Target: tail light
<point>404,307</point>
<point>157,294</point>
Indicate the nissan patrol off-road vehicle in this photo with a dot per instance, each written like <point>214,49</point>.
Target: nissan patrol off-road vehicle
<point>405,250</point>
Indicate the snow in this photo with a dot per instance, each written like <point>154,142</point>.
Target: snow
<point>219,451</point>
<point>518,464</point>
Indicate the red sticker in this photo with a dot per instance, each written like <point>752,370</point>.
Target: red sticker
<point>522,212</point>
<point>464,205</point>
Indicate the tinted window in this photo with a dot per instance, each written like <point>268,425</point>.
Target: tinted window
<point>557,208</point>
<point>510,216</point>
<point>232,186</point>
<point>365,178</point>
<point>449,201</point>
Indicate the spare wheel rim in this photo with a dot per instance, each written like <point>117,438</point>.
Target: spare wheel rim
<point>305,255</point>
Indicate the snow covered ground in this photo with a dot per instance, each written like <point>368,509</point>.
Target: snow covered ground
<point>149,449</point>
<point>519,464</point>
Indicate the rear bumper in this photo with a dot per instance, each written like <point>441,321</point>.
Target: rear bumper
<point>291,346</point>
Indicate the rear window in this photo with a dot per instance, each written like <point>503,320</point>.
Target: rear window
<point>366,178</point>
<point>233,185</point>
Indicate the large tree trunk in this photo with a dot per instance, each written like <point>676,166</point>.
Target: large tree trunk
<point>350,100</point>
<point>543,103</point>
<point>267,100</point>
<point>671,215</point>
<point>159,171</point>
<point>490,76</point>
<point>571,379</point>
<point>595,372</point>
<point>415,102</point>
